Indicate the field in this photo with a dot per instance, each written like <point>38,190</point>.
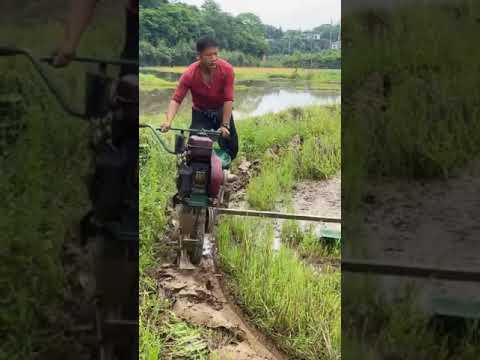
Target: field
<point>301,309</point>
<point>318,79</point>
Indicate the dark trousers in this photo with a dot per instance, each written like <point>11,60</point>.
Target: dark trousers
<point>211,120</point>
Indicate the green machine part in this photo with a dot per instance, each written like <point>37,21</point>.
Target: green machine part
<point>330,235</point>
<point>224,157</point>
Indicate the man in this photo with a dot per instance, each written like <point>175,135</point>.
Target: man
<point>211,83</point>
<point>81,13</point>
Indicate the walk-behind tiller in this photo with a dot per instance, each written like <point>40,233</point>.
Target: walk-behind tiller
<point>203,192</point>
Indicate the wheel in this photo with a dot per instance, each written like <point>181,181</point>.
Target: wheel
<point>87,228</point>
<point>198,233</point>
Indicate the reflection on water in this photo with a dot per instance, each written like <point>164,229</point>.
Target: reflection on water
<point>281,99</point>
<point>251,102</point>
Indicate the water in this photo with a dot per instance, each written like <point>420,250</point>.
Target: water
<point>251,102</point>
<point>281,99</point>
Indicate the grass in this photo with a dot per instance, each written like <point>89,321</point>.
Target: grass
<point>162,334</point>
<point>149,82</point>
<point>412,110</point>
<point>245,77</point>
<point>400,329</point>
<point>298,308</point>
<point>277,177</point>
<point>307,243</point>
<point>258,134</point>
<point>284,297</point>
<point>319,156</point>
<point>412,114</point>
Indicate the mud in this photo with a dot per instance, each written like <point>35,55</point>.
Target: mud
<point>199,299</point>
<point>322,198</point>
<point>433,224</point>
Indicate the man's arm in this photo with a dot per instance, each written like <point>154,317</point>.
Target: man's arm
<point>176,101</point>
<point>227,112</point>
<point>81,12</point>
<point>171,112</point>
<point>228,102</point>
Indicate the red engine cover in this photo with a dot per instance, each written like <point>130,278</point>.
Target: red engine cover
<point>216,175</point>
<point>200,148</point>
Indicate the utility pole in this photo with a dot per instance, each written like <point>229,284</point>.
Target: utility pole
<point>311,51</point>
<point>330,33</point>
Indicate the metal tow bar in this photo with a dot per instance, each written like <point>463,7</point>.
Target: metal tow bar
<point>418,271</point>
<point>276,215</point>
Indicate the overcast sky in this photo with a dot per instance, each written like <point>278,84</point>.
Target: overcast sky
<point>296,14</point>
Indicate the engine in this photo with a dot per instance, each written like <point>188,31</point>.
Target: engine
<point>200,176</point>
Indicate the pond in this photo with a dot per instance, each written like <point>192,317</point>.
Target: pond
<point>251,102</point>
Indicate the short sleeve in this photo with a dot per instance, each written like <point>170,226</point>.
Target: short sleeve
<point>229,84</point>
<point>183,86</point>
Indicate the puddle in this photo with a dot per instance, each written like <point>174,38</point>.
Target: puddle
<point>321,198</point>
<point>207,246</point>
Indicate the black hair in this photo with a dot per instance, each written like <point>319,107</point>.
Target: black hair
<point>204,43</point>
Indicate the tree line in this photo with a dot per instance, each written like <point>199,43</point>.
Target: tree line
<point>168,31</point>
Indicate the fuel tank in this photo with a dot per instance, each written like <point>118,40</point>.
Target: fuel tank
<point>216,175</point>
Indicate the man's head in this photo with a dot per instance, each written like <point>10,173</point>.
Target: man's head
<point>207,52</point>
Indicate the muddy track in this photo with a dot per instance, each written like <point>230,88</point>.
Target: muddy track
<point>200,297</point>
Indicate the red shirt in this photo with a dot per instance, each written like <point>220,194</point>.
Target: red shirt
<point>205,96</point>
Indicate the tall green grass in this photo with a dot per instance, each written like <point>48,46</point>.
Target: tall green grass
<point>307,243</point>
<point>258,134</point>
<point>283,296</point>
<point>277,177</point>
<point>150,82</point>
<point>399,329</point>
<point>317,156</point>
<point>412,109</point>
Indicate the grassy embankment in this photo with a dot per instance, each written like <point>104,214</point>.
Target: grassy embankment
<point>246,254</point>
<point>317,79</point>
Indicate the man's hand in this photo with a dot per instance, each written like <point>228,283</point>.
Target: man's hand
<point>64,55</point>
<point>225,132</point>
<point>165,126</point>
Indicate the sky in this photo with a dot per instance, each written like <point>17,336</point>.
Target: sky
<point>290,15</point>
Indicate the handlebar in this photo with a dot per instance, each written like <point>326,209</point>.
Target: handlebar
<point>213,133</point>
<point>160,140</point>
<point>14,51</point>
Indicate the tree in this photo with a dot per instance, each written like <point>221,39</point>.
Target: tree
<point>152,3</point>
<point>169,30</point>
